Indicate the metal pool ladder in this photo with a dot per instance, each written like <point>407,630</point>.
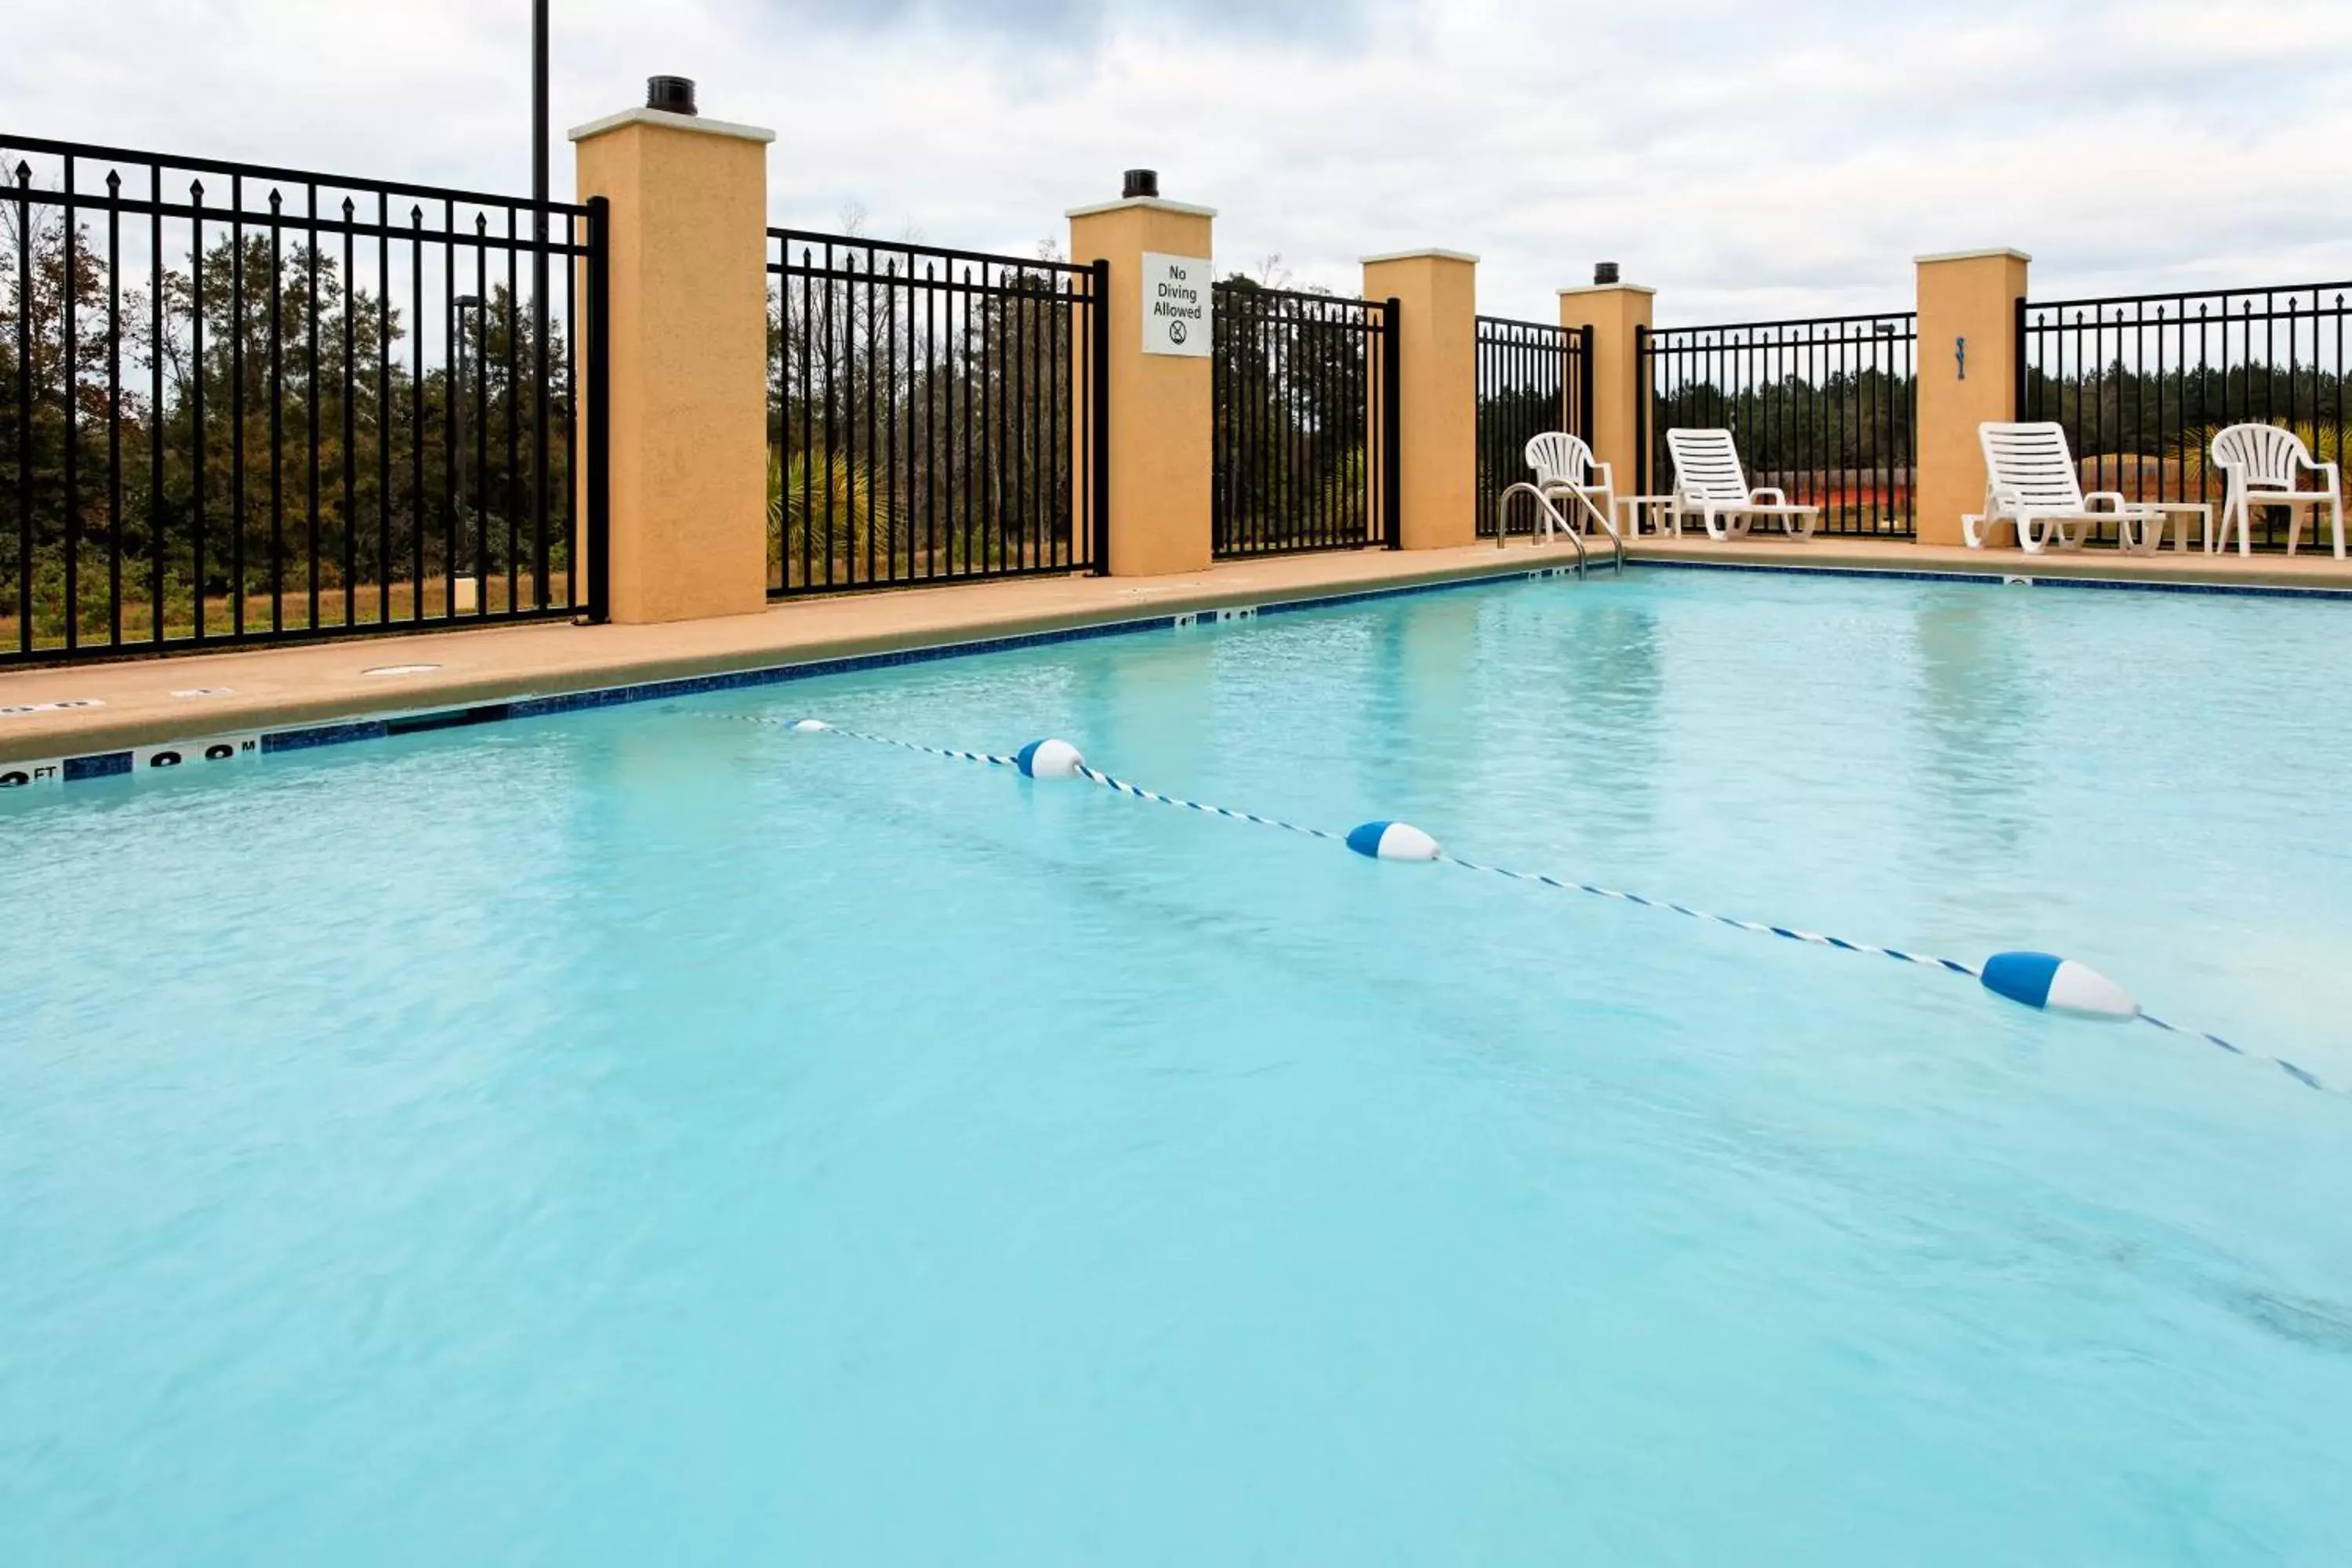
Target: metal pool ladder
<point>1555,520</point>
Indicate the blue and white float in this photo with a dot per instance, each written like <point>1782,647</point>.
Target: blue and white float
<point>2042,981</point>
<point>1049,759</point>
<point>2056,984</point>
<point>1392,841</point>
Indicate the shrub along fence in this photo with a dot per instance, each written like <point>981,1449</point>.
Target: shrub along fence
<point>1305,434</point>
<point>1532,378</point>
<point>2143,383</point>
<point>1823,408</point>
<point>933,414</point>
<point>241,404</point>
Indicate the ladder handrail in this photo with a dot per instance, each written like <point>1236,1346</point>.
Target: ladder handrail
<point>1502,520</point>
<point>1616,539</point>
<point>1557,521</point>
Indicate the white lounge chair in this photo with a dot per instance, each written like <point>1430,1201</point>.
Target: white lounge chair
<point>2030,480</point>
<point>1566,468</point>
<point>2260,464</point>
<point>1709,482</point>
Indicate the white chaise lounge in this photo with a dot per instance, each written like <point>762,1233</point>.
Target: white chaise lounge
<point>1710,484</point>
<point>1567,470</point>
<point>2261,466</point>
<point>2031,481</point>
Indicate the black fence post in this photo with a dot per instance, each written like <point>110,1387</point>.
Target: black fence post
<point>1392,438</point>
<point>599,414</point>
<point>1098,415</point>
<point>1642,375</point>
<point>2017,349</point>
<point>1584,382</point>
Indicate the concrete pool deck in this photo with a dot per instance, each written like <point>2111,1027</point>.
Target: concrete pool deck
<point>145,701</point>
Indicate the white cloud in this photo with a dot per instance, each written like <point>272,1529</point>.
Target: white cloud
<point>1749,160</point>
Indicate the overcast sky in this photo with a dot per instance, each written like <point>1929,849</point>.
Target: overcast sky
<point>1749,160</point>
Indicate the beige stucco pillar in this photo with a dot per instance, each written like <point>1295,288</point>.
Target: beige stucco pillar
<point>1614,310</point>
<point>1969,298</point>
<point>686,353</point>
<point>1161,473</point>
<point>1437,392</point>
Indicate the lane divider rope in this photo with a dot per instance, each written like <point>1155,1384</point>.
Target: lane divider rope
<point>1369,838</point>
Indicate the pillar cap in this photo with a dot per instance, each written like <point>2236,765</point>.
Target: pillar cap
<point>695,122</point>
<point>1155,204</point>
<point>2001,251</point>
<point>1608,289</point>
<point>1429,254</point>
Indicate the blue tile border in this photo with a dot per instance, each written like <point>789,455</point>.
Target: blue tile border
<point>811,670</point>
<point>1997,578</point>
<point>1793,569</point>
<point>2241,590</point>
<point>1366,595</point>
<point>102,766</point>
<point>112,764</point>
<point>322,735</point>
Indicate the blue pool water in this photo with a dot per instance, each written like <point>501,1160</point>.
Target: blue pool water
<point>645,1135</point>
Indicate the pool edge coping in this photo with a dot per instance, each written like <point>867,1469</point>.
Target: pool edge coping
<point>116,761</point>
<point>112,761</point>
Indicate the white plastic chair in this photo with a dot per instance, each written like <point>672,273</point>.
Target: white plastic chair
<point>2030,480</point>
<point>1709,481</point>
<point>2260,464</point>
<point>1565,466</point>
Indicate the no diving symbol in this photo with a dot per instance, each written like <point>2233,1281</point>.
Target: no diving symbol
<point>1175,331</point>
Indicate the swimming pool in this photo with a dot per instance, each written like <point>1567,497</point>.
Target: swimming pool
<point>642,1134</point>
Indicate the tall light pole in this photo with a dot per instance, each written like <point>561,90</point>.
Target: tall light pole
<point>539,110</point>
<point>543,505</point>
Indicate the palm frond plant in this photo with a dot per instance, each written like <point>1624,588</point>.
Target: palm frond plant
<point>827,518</point>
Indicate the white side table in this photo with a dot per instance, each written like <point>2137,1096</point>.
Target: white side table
<point>1661,518</point>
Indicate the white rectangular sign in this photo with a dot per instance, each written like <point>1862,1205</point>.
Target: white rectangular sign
<point>1176,305</point>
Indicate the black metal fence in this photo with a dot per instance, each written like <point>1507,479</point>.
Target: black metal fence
<point>241,404</point>
<point>1823,409</point>
<point>935,416</point>
<point>1305,429</point>
<point>1532,378</point>
<point>2143,384</point>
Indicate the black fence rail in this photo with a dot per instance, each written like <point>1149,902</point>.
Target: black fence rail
<point>935,416</point>
<point>1824,409</point>
<point>1532,379</point>
<point>2144,384</point>
<point>241,404</point>
<point>1306,430</point>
